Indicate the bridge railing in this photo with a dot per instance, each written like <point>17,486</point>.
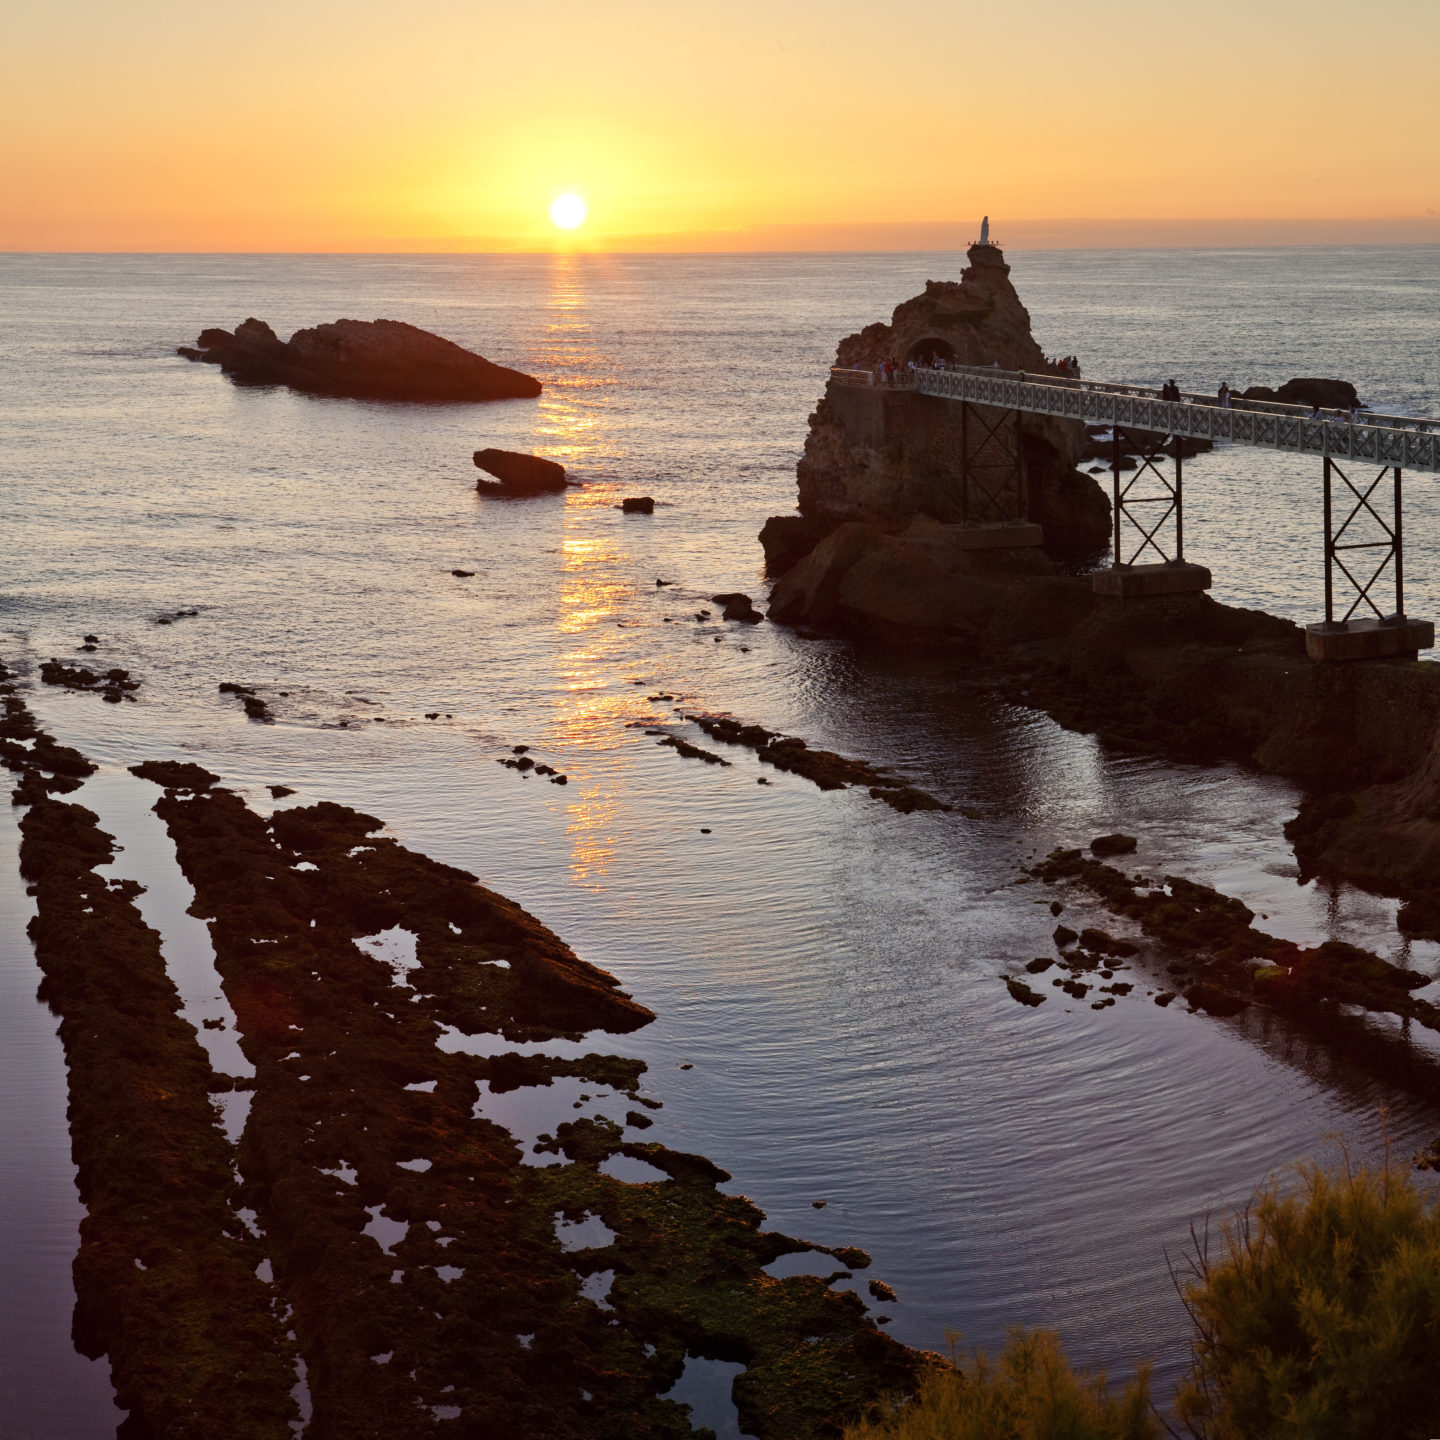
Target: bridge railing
<point>1388,440</point>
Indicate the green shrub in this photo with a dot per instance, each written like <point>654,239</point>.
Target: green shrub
<point>1029,1393</point>
<point>1321,1320</point>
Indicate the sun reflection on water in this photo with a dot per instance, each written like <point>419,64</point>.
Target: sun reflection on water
<point>592,703</point>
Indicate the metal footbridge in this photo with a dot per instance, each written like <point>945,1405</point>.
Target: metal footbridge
<point>1144,421</point>
<point>1384,439</point>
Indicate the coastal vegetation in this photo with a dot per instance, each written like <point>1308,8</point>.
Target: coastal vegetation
<point>1316,1315</point>
<point>1029,1393</point>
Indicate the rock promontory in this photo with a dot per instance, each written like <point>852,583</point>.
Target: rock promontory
<point>886,457</point>
<point>362,360</point>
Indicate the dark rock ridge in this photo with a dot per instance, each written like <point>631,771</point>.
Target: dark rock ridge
<point>362,359</point>
<point>1227,962</point>
<point>822,767</point>
<point>881,458</point>
<point>519,474</point>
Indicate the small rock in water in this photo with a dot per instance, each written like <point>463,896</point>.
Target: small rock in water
<point>665,582</point>
<point>518,749</point>
<point>1064,936</point>
<point>279,792</point>
<point>881,1291</point>
<point>1020,991</point>
<point>819,1204</point>
<point>638,505</point>
<point>703,830</point>
<point>1056,908</point>
<point>463,574</point>
<point>735,605</point>
<point>1112,845</point>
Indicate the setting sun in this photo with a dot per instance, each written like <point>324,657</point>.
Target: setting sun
<point>568,212</point>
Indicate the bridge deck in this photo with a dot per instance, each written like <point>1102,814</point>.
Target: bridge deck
<point>1397,440</point>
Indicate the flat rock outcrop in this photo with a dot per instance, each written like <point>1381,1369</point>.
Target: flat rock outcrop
<point>361,359</point>
<point>519,474</point>
<point>879,456</point>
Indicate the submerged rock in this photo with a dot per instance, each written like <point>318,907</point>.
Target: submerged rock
<point>361,359</point>
<point>519,474</point>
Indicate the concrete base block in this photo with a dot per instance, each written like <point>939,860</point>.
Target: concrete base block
<point>1133,581</point>
<point>1013,535</point>
<point>1393,638</point>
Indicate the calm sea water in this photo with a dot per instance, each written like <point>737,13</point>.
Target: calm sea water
<point>828,967</point>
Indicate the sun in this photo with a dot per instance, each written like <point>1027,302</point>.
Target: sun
<point>568,211</point>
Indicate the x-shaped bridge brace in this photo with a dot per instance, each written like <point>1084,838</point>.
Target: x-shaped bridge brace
<point>1391,541</point>
<point>1170,499</point>
<point>992,469</point>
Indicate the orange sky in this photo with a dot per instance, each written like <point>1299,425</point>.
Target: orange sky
<point>452,124</point>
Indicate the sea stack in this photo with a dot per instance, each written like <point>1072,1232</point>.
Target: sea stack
<point>886,529</point>
<point>883,456</point>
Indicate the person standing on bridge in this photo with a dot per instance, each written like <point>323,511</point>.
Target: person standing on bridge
<point>1223,395</point>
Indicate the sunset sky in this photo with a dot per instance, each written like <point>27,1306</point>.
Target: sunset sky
<point>787,124</point>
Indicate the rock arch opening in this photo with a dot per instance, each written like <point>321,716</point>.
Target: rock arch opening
<point>931,348</point>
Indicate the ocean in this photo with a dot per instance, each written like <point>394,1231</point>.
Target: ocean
<point>828,969</point>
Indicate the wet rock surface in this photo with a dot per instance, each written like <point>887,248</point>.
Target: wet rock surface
<point>638,505</point>
<point>113,685</point>
<point>165,1276</point>
<point>1227,962</point>
<point>255,707</point>
<point>357,1112</point>
<point>822,767</point>
<point>360,359</point>
<point>463,1312</point>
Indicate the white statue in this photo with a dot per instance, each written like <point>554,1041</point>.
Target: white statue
<point>985,231</point>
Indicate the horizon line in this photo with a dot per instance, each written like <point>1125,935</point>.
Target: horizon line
<point>851,237</point>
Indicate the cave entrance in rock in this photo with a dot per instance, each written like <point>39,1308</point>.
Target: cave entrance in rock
<point>931,348</point>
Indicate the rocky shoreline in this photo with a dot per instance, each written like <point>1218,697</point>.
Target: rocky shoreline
<point>415,1263</point>
<point>880,549</point>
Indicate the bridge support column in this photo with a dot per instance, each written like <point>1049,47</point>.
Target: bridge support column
<point>994,496</point>
<point>1373,635</point>
<point>1165,574</point>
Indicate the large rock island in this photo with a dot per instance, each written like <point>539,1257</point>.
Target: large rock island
<point>360,359</point>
